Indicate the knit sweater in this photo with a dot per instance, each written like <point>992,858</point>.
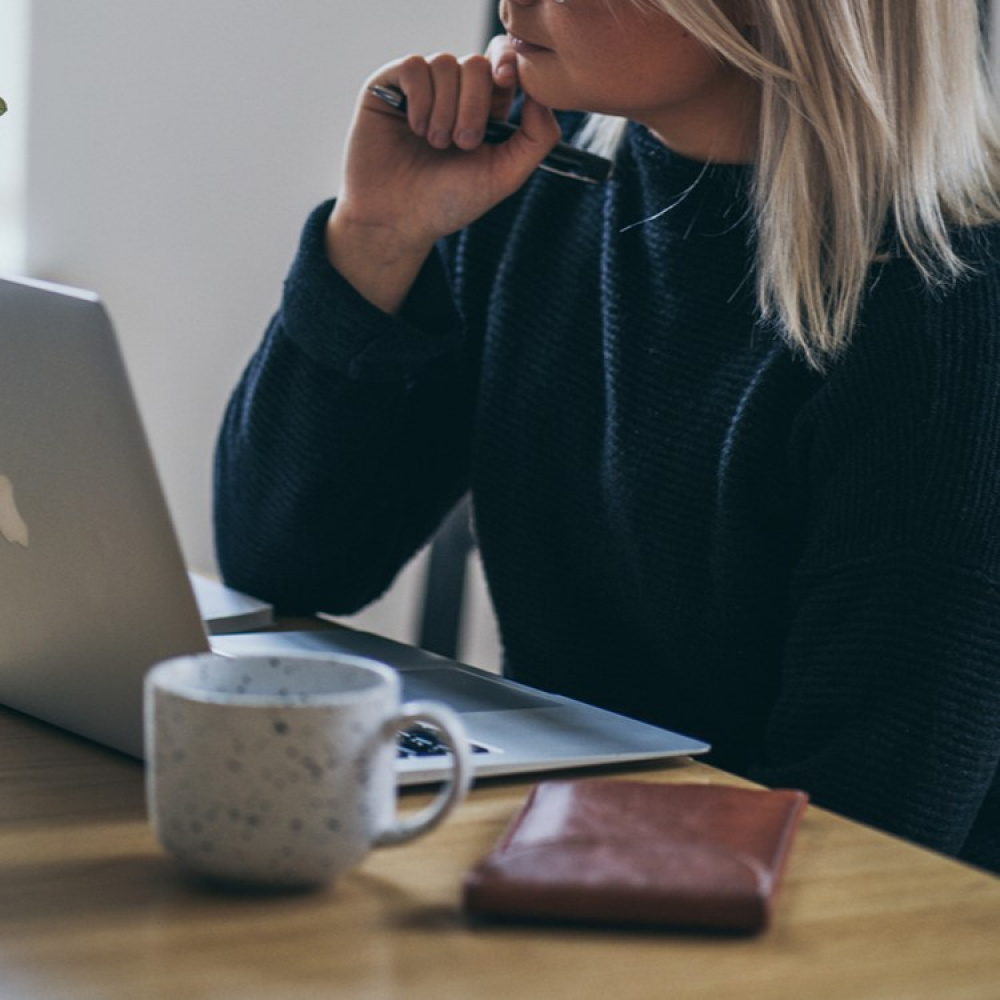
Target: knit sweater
<point>678,519</point>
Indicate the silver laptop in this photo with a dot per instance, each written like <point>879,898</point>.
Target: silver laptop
<point>93,589</point>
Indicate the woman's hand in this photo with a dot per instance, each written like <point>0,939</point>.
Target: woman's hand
<point>410,180</point>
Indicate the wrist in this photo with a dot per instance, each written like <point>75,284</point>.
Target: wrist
<point>377,259</point>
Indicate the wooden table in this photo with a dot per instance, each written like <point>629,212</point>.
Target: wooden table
<point>90,908</point>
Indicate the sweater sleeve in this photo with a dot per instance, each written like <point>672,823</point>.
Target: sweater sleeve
<point>888,706</point>
<point>345,441</point>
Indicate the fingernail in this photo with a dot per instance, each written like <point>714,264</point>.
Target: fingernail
<point>439,138</point>
<point>467,137</point>
<point>505,73</point>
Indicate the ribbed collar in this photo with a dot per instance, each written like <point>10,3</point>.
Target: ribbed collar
<point>683,188</point>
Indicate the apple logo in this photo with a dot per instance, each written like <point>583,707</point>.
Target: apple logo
<point>12,525</point>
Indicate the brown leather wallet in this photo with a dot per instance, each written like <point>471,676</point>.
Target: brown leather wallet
<point>614,852</point>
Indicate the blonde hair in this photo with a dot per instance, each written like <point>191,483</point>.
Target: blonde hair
<point>876,116</point>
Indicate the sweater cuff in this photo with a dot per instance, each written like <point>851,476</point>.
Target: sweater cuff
<point>340,329</point>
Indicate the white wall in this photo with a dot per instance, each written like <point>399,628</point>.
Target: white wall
<point>174,149</point>
<point>13,88</point>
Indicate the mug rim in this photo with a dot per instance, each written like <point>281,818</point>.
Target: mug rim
<point>162,677</point>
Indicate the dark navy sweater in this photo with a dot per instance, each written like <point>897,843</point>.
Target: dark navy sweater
<point>678,518</point>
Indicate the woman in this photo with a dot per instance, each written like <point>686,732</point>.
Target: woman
<point>729,420</point>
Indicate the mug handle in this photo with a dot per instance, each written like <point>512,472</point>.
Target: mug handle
<point>454,737</point>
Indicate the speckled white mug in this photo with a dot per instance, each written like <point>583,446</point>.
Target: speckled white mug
<point>280,771</point>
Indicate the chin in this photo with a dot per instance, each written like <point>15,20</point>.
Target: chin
<point>546,94</point>
<point>556,94</point>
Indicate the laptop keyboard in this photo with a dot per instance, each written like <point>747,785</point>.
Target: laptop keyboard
<point>422,741</point>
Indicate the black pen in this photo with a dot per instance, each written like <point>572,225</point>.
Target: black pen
<point>565,160</point>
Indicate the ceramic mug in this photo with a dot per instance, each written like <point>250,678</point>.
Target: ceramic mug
<point>280,771</point>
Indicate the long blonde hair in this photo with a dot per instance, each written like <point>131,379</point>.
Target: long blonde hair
<point>874,114</point>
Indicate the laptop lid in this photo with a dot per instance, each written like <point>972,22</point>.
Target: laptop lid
<point>94,588</point>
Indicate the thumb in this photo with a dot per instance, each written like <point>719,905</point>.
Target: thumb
<point>534,140</point>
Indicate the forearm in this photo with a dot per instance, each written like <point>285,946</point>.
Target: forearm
<point>345,441</point>
<point>316,505</point>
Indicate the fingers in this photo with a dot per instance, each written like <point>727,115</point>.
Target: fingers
<point>475,100</point>
<point>504,63</point>
<point>445,84</point>
<point>458,97</point>
<point>449,100</point>
<point>413,78</point>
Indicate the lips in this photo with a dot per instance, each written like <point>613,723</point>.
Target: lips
<point>525,48</point>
